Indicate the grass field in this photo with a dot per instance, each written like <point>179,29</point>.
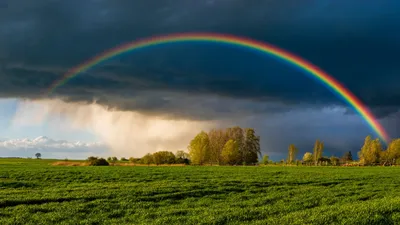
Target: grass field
<point>34,192</point>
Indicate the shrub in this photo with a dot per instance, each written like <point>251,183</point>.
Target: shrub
<point>99,162</point>
<point>91,158</point>
<point>95,161</point>
<point>134,160</point>
<point>186,161</point>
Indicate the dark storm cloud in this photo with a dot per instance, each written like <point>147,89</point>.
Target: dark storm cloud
<point>356,43</point>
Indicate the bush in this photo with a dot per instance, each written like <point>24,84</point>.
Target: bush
<point>91,158</point>
<point>94,161</point>
<point>186,161</point>
<point>134,160</point>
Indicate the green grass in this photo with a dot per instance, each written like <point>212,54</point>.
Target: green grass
<point>33,192</point>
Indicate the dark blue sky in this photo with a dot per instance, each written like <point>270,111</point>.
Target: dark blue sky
<point>354,41</point>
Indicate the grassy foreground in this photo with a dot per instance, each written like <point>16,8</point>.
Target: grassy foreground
<point>34,192</point>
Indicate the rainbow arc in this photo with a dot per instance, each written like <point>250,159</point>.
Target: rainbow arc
<point>310,69</point>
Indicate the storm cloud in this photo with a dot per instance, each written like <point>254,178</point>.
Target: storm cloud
<point>355,43</point>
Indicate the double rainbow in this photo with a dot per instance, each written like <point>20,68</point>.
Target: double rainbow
<point>250,44</point>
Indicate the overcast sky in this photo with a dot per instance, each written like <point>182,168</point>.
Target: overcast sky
<point>158,98</point>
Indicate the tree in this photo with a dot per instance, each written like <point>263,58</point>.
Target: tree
<point>292,153</point>
<point>114,159</point>
<point>236,133</point>
<point>392,154</point>
<point>217,139</point>
<point>147,159</point>
<point>251,147</point>
<point>375,152</point>
<point>365,149</point>
<point>324,161</point>
<point>182,154</point>
<point>199,149</point>
<point>347,157</point>
<point>182,157</point>
<point>385,158</point>
<point>230,153</point>
<point>157,158</point>
<point>124,159</point>
<point>91,158</point>
<point>265,160</point>
<point>308,157</point>
<point>335,160</point>
<point>38,155</point>
<point>317,151</point>
<point>163,157</point>
<point>370,151</point>
<point>133,160</point>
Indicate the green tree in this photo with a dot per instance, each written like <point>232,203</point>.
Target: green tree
<point>292,153</point>
<point>265,160</point>
<point>217,139</point>
<point>182,157</point>
<point>251,147</point>
<point>91,158</point>
<point>157,158</point>
<point>163,157</point>
<point>334,160</point>
<point>236,133</point>
<point>376,151</point>
<point>324,161</point>
<point>308,158</point>
<point>365,149</point>
<point>114,159</point>
<point>133,160</point>
<point>317,151</point>
<point>347,157</point>
<point>147,159</point>
<point>384,158</point>
<point>199,149</point>
<point>393,152</point>
<point>230,153</point>
<point>182,154</point>
<point>38,155</point>
<point>370,151</point>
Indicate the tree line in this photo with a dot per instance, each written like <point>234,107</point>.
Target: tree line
<point>238,146</point>
<point>316,157</point>
<point>371,153</point>
<point>158,158</point>
<point>230,146</point>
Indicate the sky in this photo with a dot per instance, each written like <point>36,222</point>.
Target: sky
<point>159,98</point>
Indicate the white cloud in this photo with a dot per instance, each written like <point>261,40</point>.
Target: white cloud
<point>50,148</point>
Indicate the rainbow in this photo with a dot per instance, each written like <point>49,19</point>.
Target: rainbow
<point>254,45</point>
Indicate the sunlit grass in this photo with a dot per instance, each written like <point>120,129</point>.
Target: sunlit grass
<point>34,192</point>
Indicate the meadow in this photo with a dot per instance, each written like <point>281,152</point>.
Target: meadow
<point>35,192</point>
